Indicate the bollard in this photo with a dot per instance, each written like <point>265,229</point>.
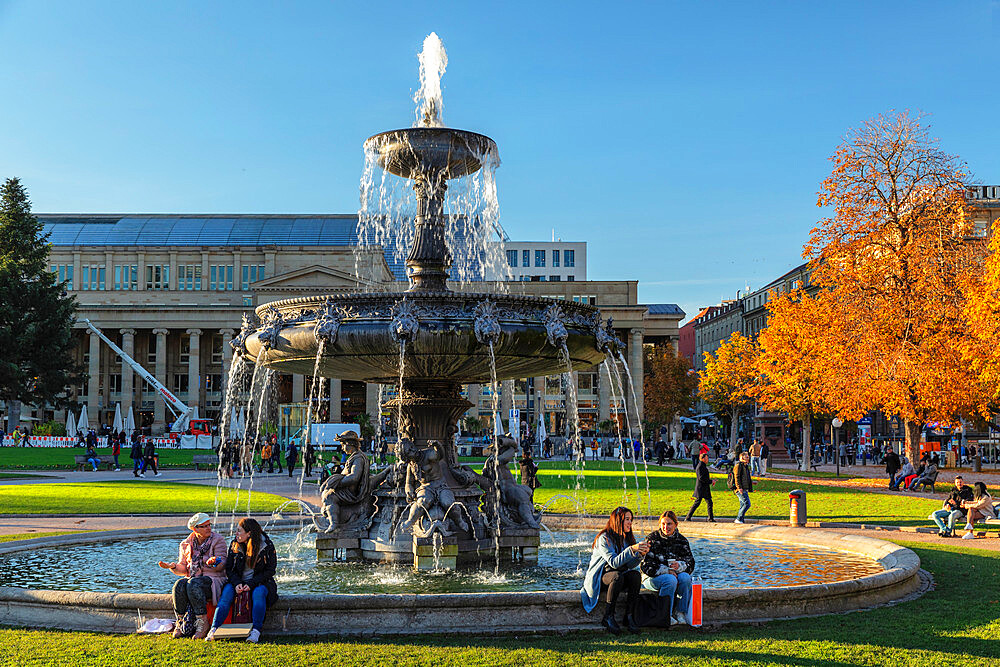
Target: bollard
<point>797,508</point>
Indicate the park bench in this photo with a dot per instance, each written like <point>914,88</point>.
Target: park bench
<point>986,524</point>
<point>927,482</point>
<point>210,460</point>
<point>105,459</point>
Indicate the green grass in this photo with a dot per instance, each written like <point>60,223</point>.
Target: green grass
<point>955,623</point>
<point>125,498</point>
<point>28,536</point>
<point>671,489</point>
<point>61,458</point>
<point>20,475</point>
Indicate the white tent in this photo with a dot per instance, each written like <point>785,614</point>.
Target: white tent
<point>541,432</point>
<point>117,425</point>
<point>82,425</point>
<point>129,422</point>
<point>70,424</point>
<point>497,424</point>
<point>242,430</point>
<point>233,428</point>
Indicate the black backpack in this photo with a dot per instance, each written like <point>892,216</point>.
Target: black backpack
<point>731,478</point>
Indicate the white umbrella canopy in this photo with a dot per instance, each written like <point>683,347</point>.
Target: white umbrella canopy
<point>82,425</point>
<point>70,424</point>
<point>541,432</point>
<point>117,425</point>
<point>242,430</point>
<point>129,422</point>
<point>233,428</point>
<point>497,424</point>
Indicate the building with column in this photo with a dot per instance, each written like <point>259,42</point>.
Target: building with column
<point>171,290</point>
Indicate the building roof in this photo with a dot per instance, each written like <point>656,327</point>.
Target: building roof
<point>664,309</point>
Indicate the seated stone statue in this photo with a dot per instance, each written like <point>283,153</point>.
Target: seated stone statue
<point>433,498</point>
<point>516,506</point>
<point>347,497</point>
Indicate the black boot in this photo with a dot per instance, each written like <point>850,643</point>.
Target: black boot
<point>610,623</point>
<point>631,624</point>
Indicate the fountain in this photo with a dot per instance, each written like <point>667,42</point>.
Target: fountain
<point>428,341</point>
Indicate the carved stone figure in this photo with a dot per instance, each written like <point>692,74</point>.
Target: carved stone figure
<point>347,500</point>
<point>427,489</point>
<point>515,508</point>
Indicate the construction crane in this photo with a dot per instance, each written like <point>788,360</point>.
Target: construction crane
<point>182,413</point>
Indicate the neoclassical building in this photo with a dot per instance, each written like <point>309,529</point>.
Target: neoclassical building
<point>171,291</point>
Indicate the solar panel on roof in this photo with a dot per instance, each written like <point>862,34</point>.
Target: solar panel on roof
<point>305,231</point>
<point>216,231</point>
<point>246,231</point>
<point>185,231</point>
<point>276,231</point>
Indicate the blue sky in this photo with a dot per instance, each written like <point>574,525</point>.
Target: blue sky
<point>685,142</point>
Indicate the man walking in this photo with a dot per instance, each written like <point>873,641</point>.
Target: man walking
<point>892,465</point>
<point>755,457</point>
<point>138,462</point>
<point>742,485</point>
<point>765,454</point>
<point>702,488</point>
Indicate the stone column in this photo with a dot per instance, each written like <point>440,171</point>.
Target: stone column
<point>141,271</point>
<point>335,403</point>
<point>371,401</point>
<point>159,407</point>
<point>475,395</point>
<point>635,366</point>
<point>298,388</point>
<point>237,272</point>
<point>93,382</point>
<point>109,280</point>
<point>194,369</point>
<point>128,347</point>
<point>603,392</point>
<point>506,397</point>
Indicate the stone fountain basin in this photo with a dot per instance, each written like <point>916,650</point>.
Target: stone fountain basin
<point>418,151</point>
<point>444,348</point>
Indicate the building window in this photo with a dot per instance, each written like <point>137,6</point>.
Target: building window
<point>586,299</point>
<point>247,301</point>
<point>252,273</point>
<point>220,277</point>
<point>93,278</point>
<point>539,258</point>
<point>115,383</point>
<point>180,383</point>
<point>126,277</point>
<point>158,276</point>
<point>525,258</point>
<point>554,279</point>
<point>555,258</point>
<point>64,274</point>
<point>569,258</point>
<point>151,352</point>
<point>213,382</point>
<point>216,349</point>
<point>511,258</point>
<point>525,278</point>
<point>570,279</point>
<point>185,349</point>
<point>189,277</point>
<point>537,279</point>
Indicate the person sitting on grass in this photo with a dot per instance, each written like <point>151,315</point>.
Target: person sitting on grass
<point>613,564</point>
<point>668,566</point>
<point>201,567</point>
<point>980,507</point>
<point>250,567</point>
<point>951,511</point>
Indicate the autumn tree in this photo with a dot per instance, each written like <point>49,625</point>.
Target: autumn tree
<point>980,347</point>
<point>668,386</point>
<point>889,265</point>
<point>795,361</point>
<point>728,379</point>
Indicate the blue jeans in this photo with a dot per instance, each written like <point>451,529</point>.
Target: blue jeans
<point>943,515</point>
<point>744,497</point>
<point>669,585</point>
<point>93,462</point>
<point>257,608</point>
<point>754,465</point>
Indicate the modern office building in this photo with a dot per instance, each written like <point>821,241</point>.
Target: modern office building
<point>540,261</point>
<point>171,291</point>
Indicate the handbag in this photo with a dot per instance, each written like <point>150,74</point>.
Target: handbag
<point>241,608</point>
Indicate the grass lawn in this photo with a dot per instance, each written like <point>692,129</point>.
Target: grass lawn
<point>955,623</point>
<point>61,458</point>
<point>20,475</point>
<point>126,498</point>
<point>28,536</point>
<point>671,489</point>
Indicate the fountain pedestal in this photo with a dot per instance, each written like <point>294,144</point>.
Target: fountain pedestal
<point>435,553</point>
<point>341,545</point>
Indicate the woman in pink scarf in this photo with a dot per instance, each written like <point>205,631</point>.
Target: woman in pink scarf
<point>201,566</point>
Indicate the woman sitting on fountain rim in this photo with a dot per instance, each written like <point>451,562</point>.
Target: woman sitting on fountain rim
<point>613,564</point>
<point>200,566</point>
<point>250,567</point>
<point>668,566</point>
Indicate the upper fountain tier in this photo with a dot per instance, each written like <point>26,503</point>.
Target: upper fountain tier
<point>430,153</point>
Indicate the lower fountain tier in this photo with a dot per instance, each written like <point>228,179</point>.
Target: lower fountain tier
<point>363,343</point>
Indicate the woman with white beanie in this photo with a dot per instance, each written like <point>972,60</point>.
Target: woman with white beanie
<point>201,566</point>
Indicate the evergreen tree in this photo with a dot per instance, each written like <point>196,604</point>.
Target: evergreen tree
<point>36,315</point>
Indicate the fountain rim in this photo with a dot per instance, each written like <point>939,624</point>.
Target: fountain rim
<point>453,131</point>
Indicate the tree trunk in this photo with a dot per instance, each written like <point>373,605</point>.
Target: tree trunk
<point>733,428</point>
<point>806,448</point>
<point>13,415</point>
<point>912,440</point>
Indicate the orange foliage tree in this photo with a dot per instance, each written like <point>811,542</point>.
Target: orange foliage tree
<point>668,385</point>
<point>728,379</point>
<point>889,265</point>
<point>981,348</point>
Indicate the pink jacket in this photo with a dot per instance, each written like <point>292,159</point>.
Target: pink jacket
<point>192,556</point>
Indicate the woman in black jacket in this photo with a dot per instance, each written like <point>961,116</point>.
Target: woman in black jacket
<point>250,566</point>
<point>668,565</point>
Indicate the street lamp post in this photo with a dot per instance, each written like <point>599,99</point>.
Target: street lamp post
<point>836,423</point>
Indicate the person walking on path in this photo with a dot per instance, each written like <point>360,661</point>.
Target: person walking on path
<point>702,488</point>
<point>755,457</point>
<point>765,454</point>
<point>291,456</point>
<point>116,450</point>
<point>742,485</point>
<point>149,455</point>
<point>892,466</point>
<point>138,462</point>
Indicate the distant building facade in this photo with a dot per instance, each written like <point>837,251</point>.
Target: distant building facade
<point>546,261</point>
